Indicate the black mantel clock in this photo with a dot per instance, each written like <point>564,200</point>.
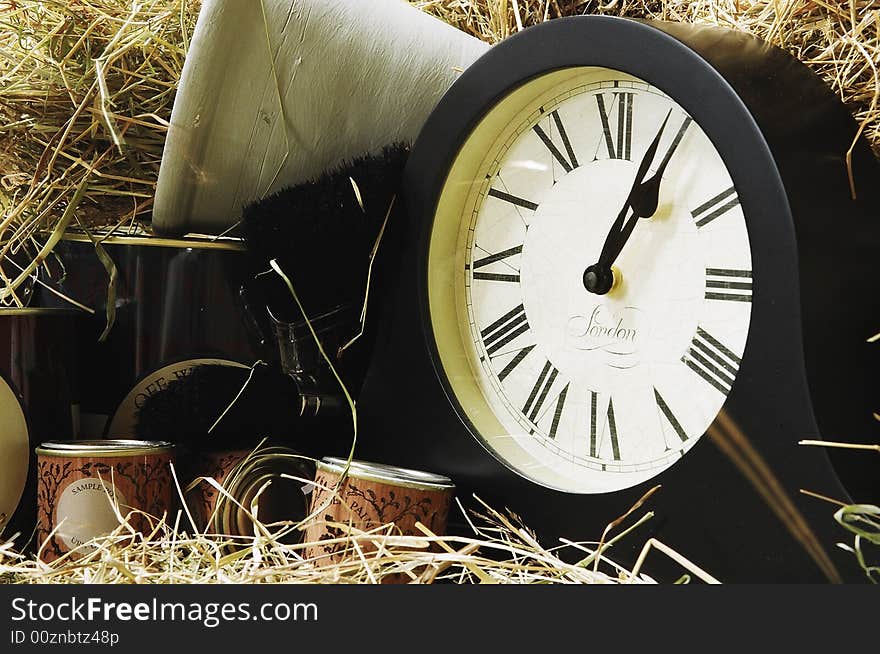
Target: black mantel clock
<point>615,230</point>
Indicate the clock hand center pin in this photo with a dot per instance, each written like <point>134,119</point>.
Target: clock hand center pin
<point>601,280</point>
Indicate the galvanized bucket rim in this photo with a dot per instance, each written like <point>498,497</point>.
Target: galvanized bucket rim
<point>38,311</point>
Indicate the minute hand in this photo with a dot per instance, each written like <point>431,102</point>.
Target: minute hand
<point>645,197</point>
<point>620,232</point>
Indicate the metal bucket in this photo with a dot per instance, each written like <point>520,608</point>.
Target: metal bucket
<point>177,303</point>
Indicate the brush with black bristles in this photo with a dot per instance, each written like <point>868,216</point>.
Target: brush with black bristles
<point>322,235</point>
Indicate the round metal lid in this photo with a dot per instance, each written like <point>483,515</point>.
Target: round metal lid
<point>109,447</point>
<point>385,473</point>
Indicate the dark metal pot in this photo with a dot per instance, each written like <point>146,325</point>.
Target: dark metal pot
<point>176,301</point>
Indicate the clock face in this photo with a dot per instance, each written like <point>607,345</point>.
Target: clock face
<point>573,387</point>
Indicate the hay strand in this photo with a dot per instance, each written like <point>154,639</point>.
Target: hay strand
<point>500,551</point>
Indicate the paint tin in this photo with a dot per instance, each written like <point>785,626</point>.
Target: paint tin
<point>201,496</point>
<point>270,480</point>
<point>372,495</point>
<point>82,484</point>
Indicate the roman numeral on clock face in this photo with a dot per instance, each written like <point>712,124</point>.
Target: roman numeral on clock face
<point>712,361</point>
<point>568,161</point>
<point>512,199</point>
<point>727,284</point>
<point>532,408</point>
<point>596,434</point>
<point>493,258</point>
<point>497,277</point>
<point>514,362</point>
<point>715,207</point>
<point>670,417</point>
<point>557,412</point>
<point>505,329</point>
<point>618,142</point>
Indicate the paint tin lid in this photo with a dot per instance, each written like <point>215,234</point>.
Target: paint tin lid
<point>383,473</point>
<point>109,447</point>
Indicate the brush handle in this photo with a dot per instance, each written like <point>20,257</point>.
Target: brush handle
<point>317,400</point>
<point>303,362</point>
<point>296,344</point>
<point>258,329</point>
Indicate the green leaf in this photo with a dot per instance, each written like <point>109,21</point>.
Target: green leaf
<point>861,519</point>
<point>112,273</point>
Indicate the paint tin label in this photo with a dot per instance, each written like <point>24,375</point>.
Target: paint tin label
<point>80,482</point>
<point>380,495</point>
<point>86,510</point>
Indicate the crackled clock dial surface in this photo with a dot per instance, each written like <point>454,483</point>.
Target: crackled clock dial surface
<point>576,390</point>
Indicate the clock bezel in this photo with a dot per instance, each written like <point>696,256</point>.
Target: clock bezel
<point>579,42</point>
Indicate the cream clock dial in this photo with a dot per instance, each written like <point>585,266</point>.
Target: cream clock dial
<point>577,386</point>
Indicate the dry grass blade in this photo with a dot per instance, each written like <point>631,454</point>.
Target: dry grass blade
<point>171,554</point>
<point>82,82</point>
<point>731,440</point>
<point>372,260</point>
<point>845,446</point>
<point>614,524</point>
<point>675,556</point>
<point>840,41</point>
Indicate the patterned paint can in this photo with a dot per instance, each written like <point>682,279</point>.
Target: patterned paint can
<point>371,495</point>
<point>82,485</point>
<point>201,496</point>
